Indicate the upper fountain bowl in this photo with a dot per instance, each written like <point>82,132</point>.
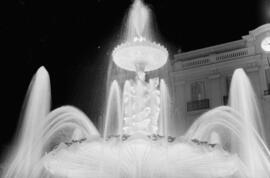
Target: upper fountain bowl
<point>140,52</point>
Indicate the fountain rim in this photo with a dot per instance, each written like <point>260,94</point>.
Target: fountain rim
<point>150,54</point>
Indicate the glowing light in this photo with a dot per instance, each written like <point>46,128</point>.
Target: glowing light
<point>140,52</point>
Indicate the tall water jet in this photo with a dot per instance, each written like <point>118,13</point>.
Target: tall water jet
<point>165,109</point>
<point>236,128</point>
<point>139,22</point>
<point>113,116</point>
<point>242,98</point>
<point>36,107</point>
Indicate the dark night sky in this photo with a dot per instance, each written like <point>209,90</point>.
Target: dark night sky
<point>74,39</point>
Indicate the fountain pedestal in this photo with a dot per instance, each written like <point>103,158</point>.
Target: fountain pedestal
<point>141,100</point>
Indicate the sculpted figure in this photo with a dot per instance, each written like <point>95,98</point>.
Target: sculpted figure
<point>141,104</point>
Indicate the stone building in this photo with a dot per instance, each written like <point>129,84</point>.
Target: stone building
<point>202,77</point>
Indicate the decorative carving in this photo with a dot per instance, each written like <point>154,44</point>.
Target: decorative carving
<point>141,104</point>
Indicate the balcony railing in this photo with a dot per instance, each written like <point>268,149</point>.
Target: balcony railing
<point>198,105</point>
<point>267,92</point>
<point>217,58</point>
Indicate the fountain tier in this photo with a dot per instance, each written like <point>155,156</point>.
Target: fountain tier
<point>140,52</point>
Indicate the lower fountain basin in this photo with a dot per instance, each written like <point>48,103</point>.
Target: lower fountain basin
<point>140,157</point>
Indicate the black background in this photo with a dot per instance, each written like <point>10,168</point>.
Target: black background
<point>74,40</point>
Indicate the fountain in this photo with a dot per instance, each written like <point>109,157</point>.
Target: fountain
<point>226,141</point>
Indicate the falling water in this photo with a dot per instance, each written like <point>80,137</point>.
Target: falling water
<point>113,118</point>
<point>42,131</point>
<point>139,21</point>
<point>36,107</point>
<point>243,99</point>
<point>236,128</point>
<point>164,109</point>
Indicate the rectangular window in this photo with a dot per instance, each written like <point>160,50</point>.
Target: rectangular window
<point>228,80</point>
<point>197,90</point>
<point>228,84</point>
<point>267,77</point>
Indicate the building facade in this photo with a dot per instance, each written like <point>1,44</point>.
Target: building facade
<point>202,77</point>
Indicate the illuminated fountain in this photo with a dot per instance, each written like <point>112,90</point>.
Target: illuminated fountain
<point>224,142</point>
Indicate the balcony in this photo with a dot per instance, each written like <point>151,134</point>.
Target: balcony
<point>210,58</point>
<point>266,92</point>
<point>198,105</point>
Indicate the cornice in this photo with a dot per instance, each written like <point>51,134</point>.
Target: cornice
<point>210,50</point>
